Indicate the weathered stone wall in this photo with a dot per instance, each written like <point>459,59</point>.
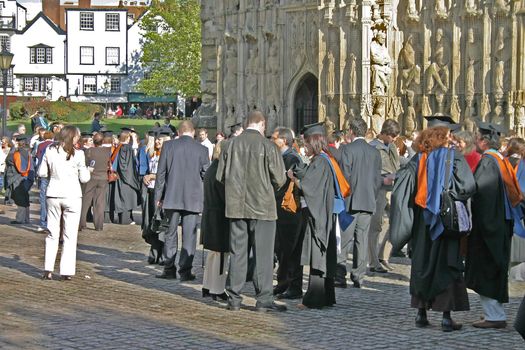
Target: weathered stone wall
<point>400,59</point>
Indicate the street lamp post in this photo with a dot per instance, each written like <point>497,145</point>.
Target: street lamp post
<point>106,89</point>
<point>6,58</point>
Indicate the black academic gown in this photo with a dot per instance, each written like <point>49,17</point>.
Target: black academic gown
<point>127,188</point>
<point>17,186</point>
<point>436,278</point>
<point>319,246</point>
<point>488,254</point>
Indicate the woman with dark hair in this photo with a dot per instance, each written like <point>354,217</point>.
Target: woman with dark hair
<point>19,177</point>
<point>436,280</point>
<point>219,136</point>
<point>318,191</point>
<point>66,169</point>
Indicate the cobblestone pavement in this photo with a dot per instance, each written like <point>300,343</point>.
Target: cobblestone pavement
<point>115,302</point>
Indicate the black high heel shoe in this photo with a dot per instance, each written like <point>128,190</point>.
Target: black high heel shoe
<point>205,293</point>
<point>48,275</point>
<point>223,296</point>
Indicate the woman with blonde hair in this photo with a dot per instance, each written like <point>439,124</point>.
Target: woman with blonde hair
<point>66,169</point>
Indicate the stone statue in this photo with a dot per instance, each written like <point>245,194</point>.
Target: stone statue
<point>472,56</point>
<point>500,41</point>
<point>353,74</point>
<point>330,75</point>
<point>485,107</point>
<point>470,124</point>
<point>438,71</point>
<point>410,115</point>
<point>329,125</point>
<point>455,109</point>
<point>273,76</point>
<point>471,7</point>
<point>230,81</point>
<point>410,71</point>
<point>425,109</point>
<point>499,75</point>
<point>380,65</point>
<point>252,69</point>
<point>497,116</point>
<point>501,6</point>
<point>441,9</point>
<point>271,120</point>
<point>412,11</point>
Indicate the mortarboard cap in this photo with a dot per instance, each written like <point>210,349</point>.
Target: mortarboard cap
<point>442,120</point>
<point>314,129</point>
<point>86,134</point>
<point>22,137</point>
<point>490,128</point>
<point>106,132</point>
<point>128,129</point>
<point>165,132</point>
<point>236,125</point>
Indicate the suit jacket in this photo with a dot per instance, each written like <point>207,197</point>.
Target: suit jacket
<point>361,166</point>
<point>101,156</point>
<point>182,165</point>
<point>252,169</point>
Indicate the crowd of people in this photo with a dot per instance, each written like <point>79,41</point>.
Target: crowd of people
<point>453,197</point>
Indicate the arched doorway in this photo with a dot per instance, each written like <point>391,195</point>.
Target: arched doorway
<point>306,102</point>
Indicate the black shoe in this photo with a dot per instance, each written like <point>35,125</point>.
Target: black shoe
<point>233,307</point>
<point>223,296</point>
<point>379,269</point>
<point>278,290</point>
<point>290,295</point>
<point>66,278</point>
<point>167,275</point>
<point>48,275</point>
<point>271,307</point>
<point>14,222</point>
<point>151,261</point>
<point>205,293</point>
<point>448,325</point>
<point>187,277</point>
<point>357,284</point>
<point>421,320</point>
<point>340,284</point>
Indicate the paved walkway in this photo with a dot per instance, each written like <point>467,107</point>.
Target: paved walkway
<point>115,302</point>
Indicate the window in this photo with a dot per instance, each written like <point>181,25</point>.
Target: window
<point>114,85</point>
<point>86,21</point>
<point>131,18</point>
<point>35,83</point>
<point>5,42</point>
<point>112,56</point>
<point>112,22</point>
<point>87,55</point>
<point>41,55</point>
<point>90,84</point>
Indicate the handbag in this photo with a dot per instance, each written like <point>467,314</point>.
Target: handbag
<point>112,174</point>
<point>288,204</point>
<point>455,216</point>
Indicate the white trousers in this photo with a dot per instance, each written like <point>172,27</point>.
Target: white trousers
<point>69,209</point>
<point>492,309</point>
<point>212,278</point>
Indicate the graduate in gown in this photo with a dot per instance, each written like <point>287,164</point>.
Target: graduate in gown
<point>126,195</point>
<point>19,177</point>
<point>316,184</point>
<point>436,280</point>
<point>495,208</point>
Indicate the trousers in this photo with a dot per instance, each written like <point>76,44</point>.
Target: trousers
<point>492,309</point>
<point>376,227</point>
<point>68,209</point>
<point>44,181</point>
<point>94,195</point>
<point>260,235</point>
<point>188,221</point>
<point>213,279</point>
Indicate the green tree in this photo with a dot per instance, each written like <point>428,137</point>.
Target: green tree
<point>172,47</point>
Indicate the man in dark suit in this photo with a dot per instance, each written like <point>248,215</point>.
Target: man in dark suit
<point>39,120</point>
<point>178,190</point>
<point>361,166</point>
<point>252,169</point>
<point>95,124</point>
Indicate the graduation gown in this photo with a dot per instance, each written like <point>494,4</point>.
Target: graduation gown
<point>489,243</point>
<point>215,227</point>
<point>436,278</point>
<point>127,188</point>
<point>18,186</point>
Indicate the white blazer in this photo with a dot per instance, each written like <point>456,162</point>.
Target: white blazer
<point>64,175</point>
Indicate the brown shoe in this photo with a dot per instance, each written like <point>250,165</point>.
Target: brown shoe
<point>490,324</point>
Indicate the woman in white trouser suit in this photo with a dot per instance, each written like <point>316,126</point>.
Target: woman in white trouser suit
<point>64,166</point>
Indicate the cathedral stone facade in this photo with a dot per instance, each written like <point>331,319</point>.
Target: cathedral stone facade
<point>302,61</point>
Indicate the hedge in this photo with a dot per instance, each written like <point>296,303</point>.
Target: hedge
<point>65,111</point>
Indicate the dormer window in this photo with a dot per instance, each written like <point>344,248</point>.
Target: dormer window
<point>41,54</point>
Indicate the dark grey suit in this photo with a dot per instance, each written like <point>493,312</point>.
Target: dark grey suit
<point>178,185</point>
<point>361,165</point>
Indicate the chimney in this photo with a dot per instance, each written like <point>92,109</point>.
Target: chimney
<point>84,4</point>
<point>51,9</point>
